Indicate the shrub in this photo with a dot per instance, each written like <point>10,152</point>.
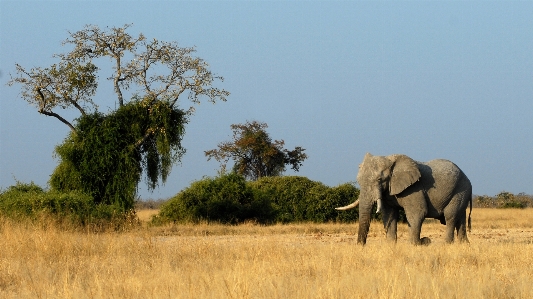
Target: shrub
<point>30,201</point>
<point>322,201</point>
<point>297,198</point>
<point>226,199</point>
<point>230,199</point>
<point>287,195</point>
<point>507,200</point>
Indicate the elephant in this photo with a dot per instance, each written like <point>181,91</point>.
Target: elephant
<point>435,189</point>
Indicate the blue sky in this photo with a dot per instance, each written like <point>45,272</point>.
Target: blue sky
<point>430,79</point>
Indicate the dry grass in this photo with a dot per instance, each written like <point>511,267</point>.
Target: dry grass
<point>146,215</point>
<point>282,261</point>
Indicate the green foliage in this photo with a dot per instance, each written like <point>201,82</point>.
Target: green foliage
<point>297,199</point>
<point>513,205</point>
<point>507,200</point>
<point>76,209</point>
<point>255,154</point>
<point>288,196</point>
<point>225,199</point>
<point>25,188</point>
<point>29,200</point>
<point>109,152</point>
<point>230,199</point>
<point>340,196</point>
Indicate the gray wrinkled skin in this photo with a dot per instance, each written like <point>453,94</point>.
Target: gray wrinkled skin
<point>436,189</point>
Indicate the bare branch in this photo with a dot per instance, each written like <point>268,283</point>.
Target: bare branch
<point>66,84</point>
<point>91,42</point>
<point>184,72</point>
<point>66,122</point>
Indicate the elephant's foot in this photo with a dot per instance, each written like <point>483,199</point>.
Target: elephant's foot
<point>425,241</point>
<point>464,240</point>
<point>422,241</point>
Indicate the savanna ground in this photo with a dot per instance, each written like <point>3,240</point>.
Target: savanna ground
<point>280,261</point>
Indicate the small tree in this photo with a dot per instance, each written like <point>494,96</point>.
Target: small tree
<point>105,154</point>
<point>255,154</point>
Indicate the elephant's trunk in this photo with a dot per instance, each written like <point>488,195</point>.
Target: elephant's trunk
<point>364,223</point>
<point>365,211</point>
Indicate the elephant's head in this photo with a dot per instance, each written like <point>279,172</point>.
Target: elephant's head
<point>381,176</point>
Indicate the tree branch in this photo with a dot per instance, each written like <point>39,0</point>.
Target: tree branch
<point>176,97</point>
<point>75,104</point>
<point>117,80</point>
<point>142,140</point>
<point>50,113</point>
<point>66,122</point>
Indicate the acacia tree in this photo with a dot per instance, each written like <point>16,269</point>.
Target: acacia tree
<point>105,154</point>
<point>254,153</point>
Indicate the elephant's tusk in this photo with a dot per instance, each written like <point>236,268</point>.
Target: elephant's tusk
<point>350,206</point>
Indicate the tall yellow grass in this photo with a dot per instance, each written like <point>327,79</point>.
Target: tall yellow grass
<point>281,261</point>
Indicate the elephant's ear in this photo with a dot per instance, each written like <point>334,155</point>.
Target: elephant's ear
<point>404,173</point>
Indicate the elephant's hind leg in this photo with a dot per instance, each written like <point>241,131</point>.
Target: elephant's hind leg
<point>450,230</point>
<point>457,223</point>
<point>461,229</point>
<point>455,214</point>
<point>451,225</point>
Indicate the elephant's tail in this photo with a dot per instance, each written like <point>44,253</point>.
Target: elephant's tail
<point>469,214</point>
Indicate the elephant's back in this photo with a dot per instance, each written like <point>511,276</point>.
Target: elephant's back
<point>443,175</point>
<point>444,167</point>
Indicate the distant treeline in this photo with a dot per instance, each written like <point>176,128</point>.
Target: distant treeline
<point>149,204</point>
<point>504,200</point>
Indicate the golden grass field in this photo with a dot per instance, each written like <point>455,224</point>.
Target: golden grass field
<point>280,261</point>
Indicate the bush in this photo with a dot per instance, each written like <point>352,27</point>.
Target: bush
<point>322,201</point>
<point>287,195</point>
<point>225,199</point>
<point>297,198</point>
<point>507,200</point>
<point>230,199</point>
<point>30,201</point>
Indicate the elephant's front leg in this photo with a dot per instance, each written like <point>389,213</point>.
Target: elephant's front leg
<point>415,220</point>
<point>390,222</point>
<point>415,207</point>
